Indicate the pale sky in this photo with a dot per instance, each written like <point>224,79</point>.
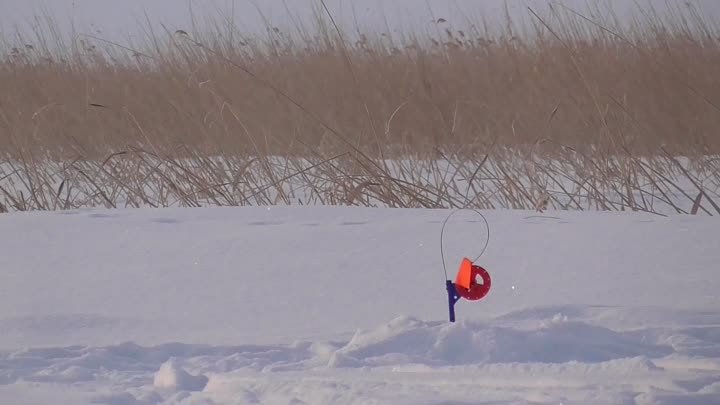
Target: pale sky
<point>115,19</point>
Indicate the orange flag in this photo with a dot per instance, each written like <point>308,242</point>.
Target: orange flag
<point>464,275</point>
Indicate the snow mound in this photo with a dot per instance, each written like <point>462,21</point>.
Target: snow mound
<point>408,340</point>
<point>172,377</point>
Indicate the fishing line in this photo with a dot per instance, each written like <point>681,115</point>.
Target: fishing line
<point>442,234</point>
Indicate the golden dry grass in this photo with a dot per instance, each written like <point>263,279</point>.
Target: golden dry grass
<point>584,109</point>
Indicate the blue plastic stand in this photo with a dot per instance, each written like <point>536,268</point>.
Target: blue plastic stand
<point>453,298</point>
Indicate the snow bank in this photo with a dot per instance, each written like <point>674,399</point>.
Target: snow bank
<point>408,340</point>
<point>172,377</point>
<point>574,356</point>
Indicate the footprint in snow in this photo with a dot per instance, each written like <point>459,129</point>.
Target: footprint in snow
<point>165,221</point>
<point>263,223</point>
<point>353,223</point>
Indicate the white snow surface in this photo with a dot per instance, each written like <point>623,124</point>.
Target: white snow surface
<point>341,305</point>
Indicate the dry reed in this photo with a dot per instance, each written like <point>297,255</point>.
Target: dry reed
<point>572,112</point>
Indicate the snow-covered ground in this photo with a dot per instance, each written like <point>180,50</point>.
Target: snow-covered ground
<point>340,305</point>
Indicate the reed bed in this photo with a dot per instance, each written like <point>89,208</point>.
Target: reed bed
<point>569,110</point>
